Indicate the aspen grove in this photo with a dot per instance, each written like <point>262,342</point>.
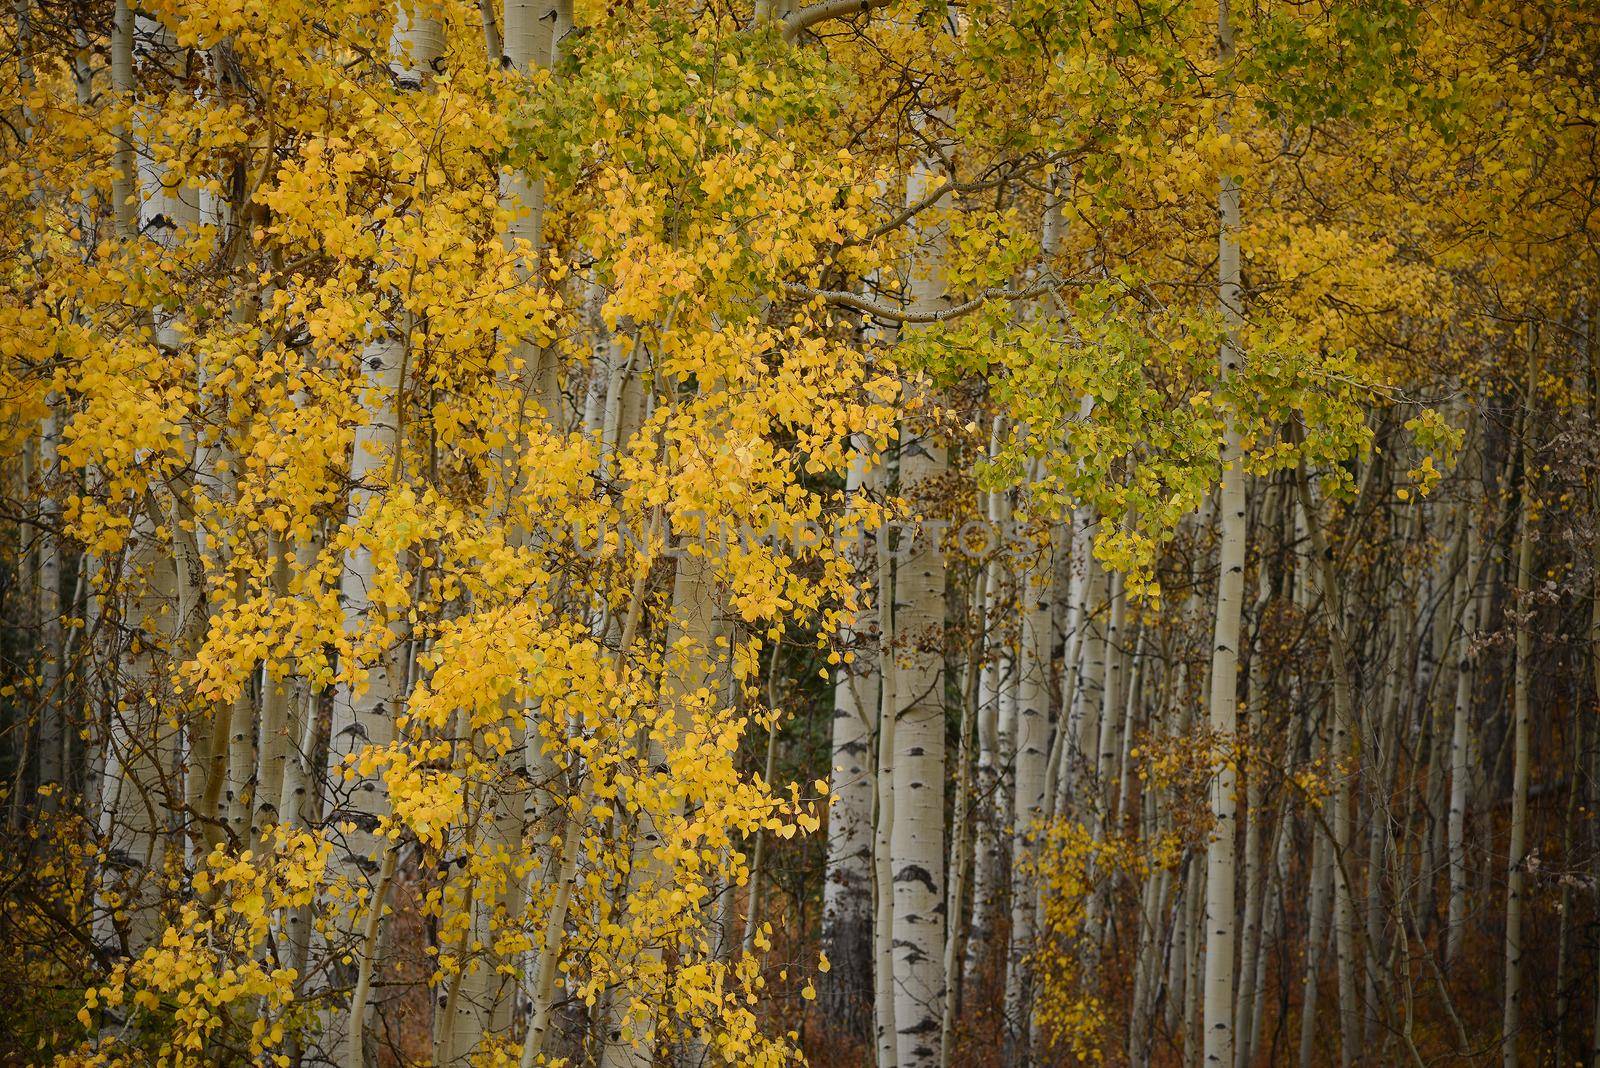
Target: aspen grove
<point>883,533</point>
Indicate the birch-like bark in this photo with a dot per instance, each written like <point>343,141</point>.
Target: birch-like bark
<point>1084,588</point>
<point>847,889</point>
<point>993,813</point>
<point>140,780</point>
<point>1385,733</point>
<point>1108,743</point>
<point>367,697</point>
<point>1224,700</point>
<point>964,806</point>
<point>1460,751</point>
<point>883,820</point>
<point>140,756</point>
<point>531,38</point>
<point>41,550</point>
<point>1132,703</point>
<point>1089,692</point>
<point>527,41</point>
<point>274,738</point>
<point>1341,752</point>
<point>1434,853</point>
<point>1516,847</point>
<point>917,838</point>
<point>298,806</point>
<point>1032,749</point>
<point>1193,964</point>
<point>1254,814</point>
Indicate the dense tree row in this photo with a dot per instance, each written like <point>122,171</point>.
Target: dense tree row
<point>904,533</point>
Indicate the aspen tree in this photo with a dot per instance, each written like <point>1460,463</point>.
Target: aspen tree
<point>1521,729</point>
<point>1250,941</point>
<point>140,747</point>
<point>368,696</point>
<point>883,985</point>
<point>917,839</point>
<point>993,814</point>
<point>1459,751</point>
<point>1224,698</point>
<point>847,889</point>
<point>961,843</point>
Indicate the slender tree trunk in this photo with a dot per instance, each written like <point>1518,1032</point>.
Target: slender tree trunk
<point>1435,852</point>
<point>1192,1037</point>
<point>1089,694</point>
<point>139,780</point>
<point>961,838</point>
<point>1032,746</point>
<point>1224,702</point>
<point>1132,703</point>
<point>1516,848</point>
<point>1386,738</point>
<point>274,740</point>
<point>882,860</point>
<point>1569,823</point>
<point>1111,711</point>
<point>1316,939</point>
<point>53,709</point>
<point>1341,756</point>
<point>1250,939</point>
<point>917,838</point>
<point>1460,771</point>
<point>367,697</point>
<point>993,812</point>
<point>847,890</point>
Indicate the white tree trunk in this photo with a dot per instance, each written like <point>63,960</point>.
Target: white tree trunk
<point>1088,702</point>
<point>1111,711</point>
<point>140,757</point>
<point>1250,939</point>
<point>1224,702</point>
<point>917,837</point>
<point>367,700</point>
<point>964,806</point>
<point>847,888</point>
<point>994,812</point>
<point>1032,749</point>
<point>275,736</point>
<point>1341,752</point>
<point>883,998</point>
<point>1516,847</point>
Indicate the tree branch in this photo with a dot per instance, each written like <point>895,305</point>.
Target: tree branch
<point>799,22</point>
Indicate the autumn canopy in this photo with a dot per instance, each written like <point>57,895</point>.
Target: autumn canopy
<point>893,533</point>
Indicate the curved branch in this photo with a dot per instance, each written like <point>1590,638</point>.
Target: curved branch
<point>799,22</point>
